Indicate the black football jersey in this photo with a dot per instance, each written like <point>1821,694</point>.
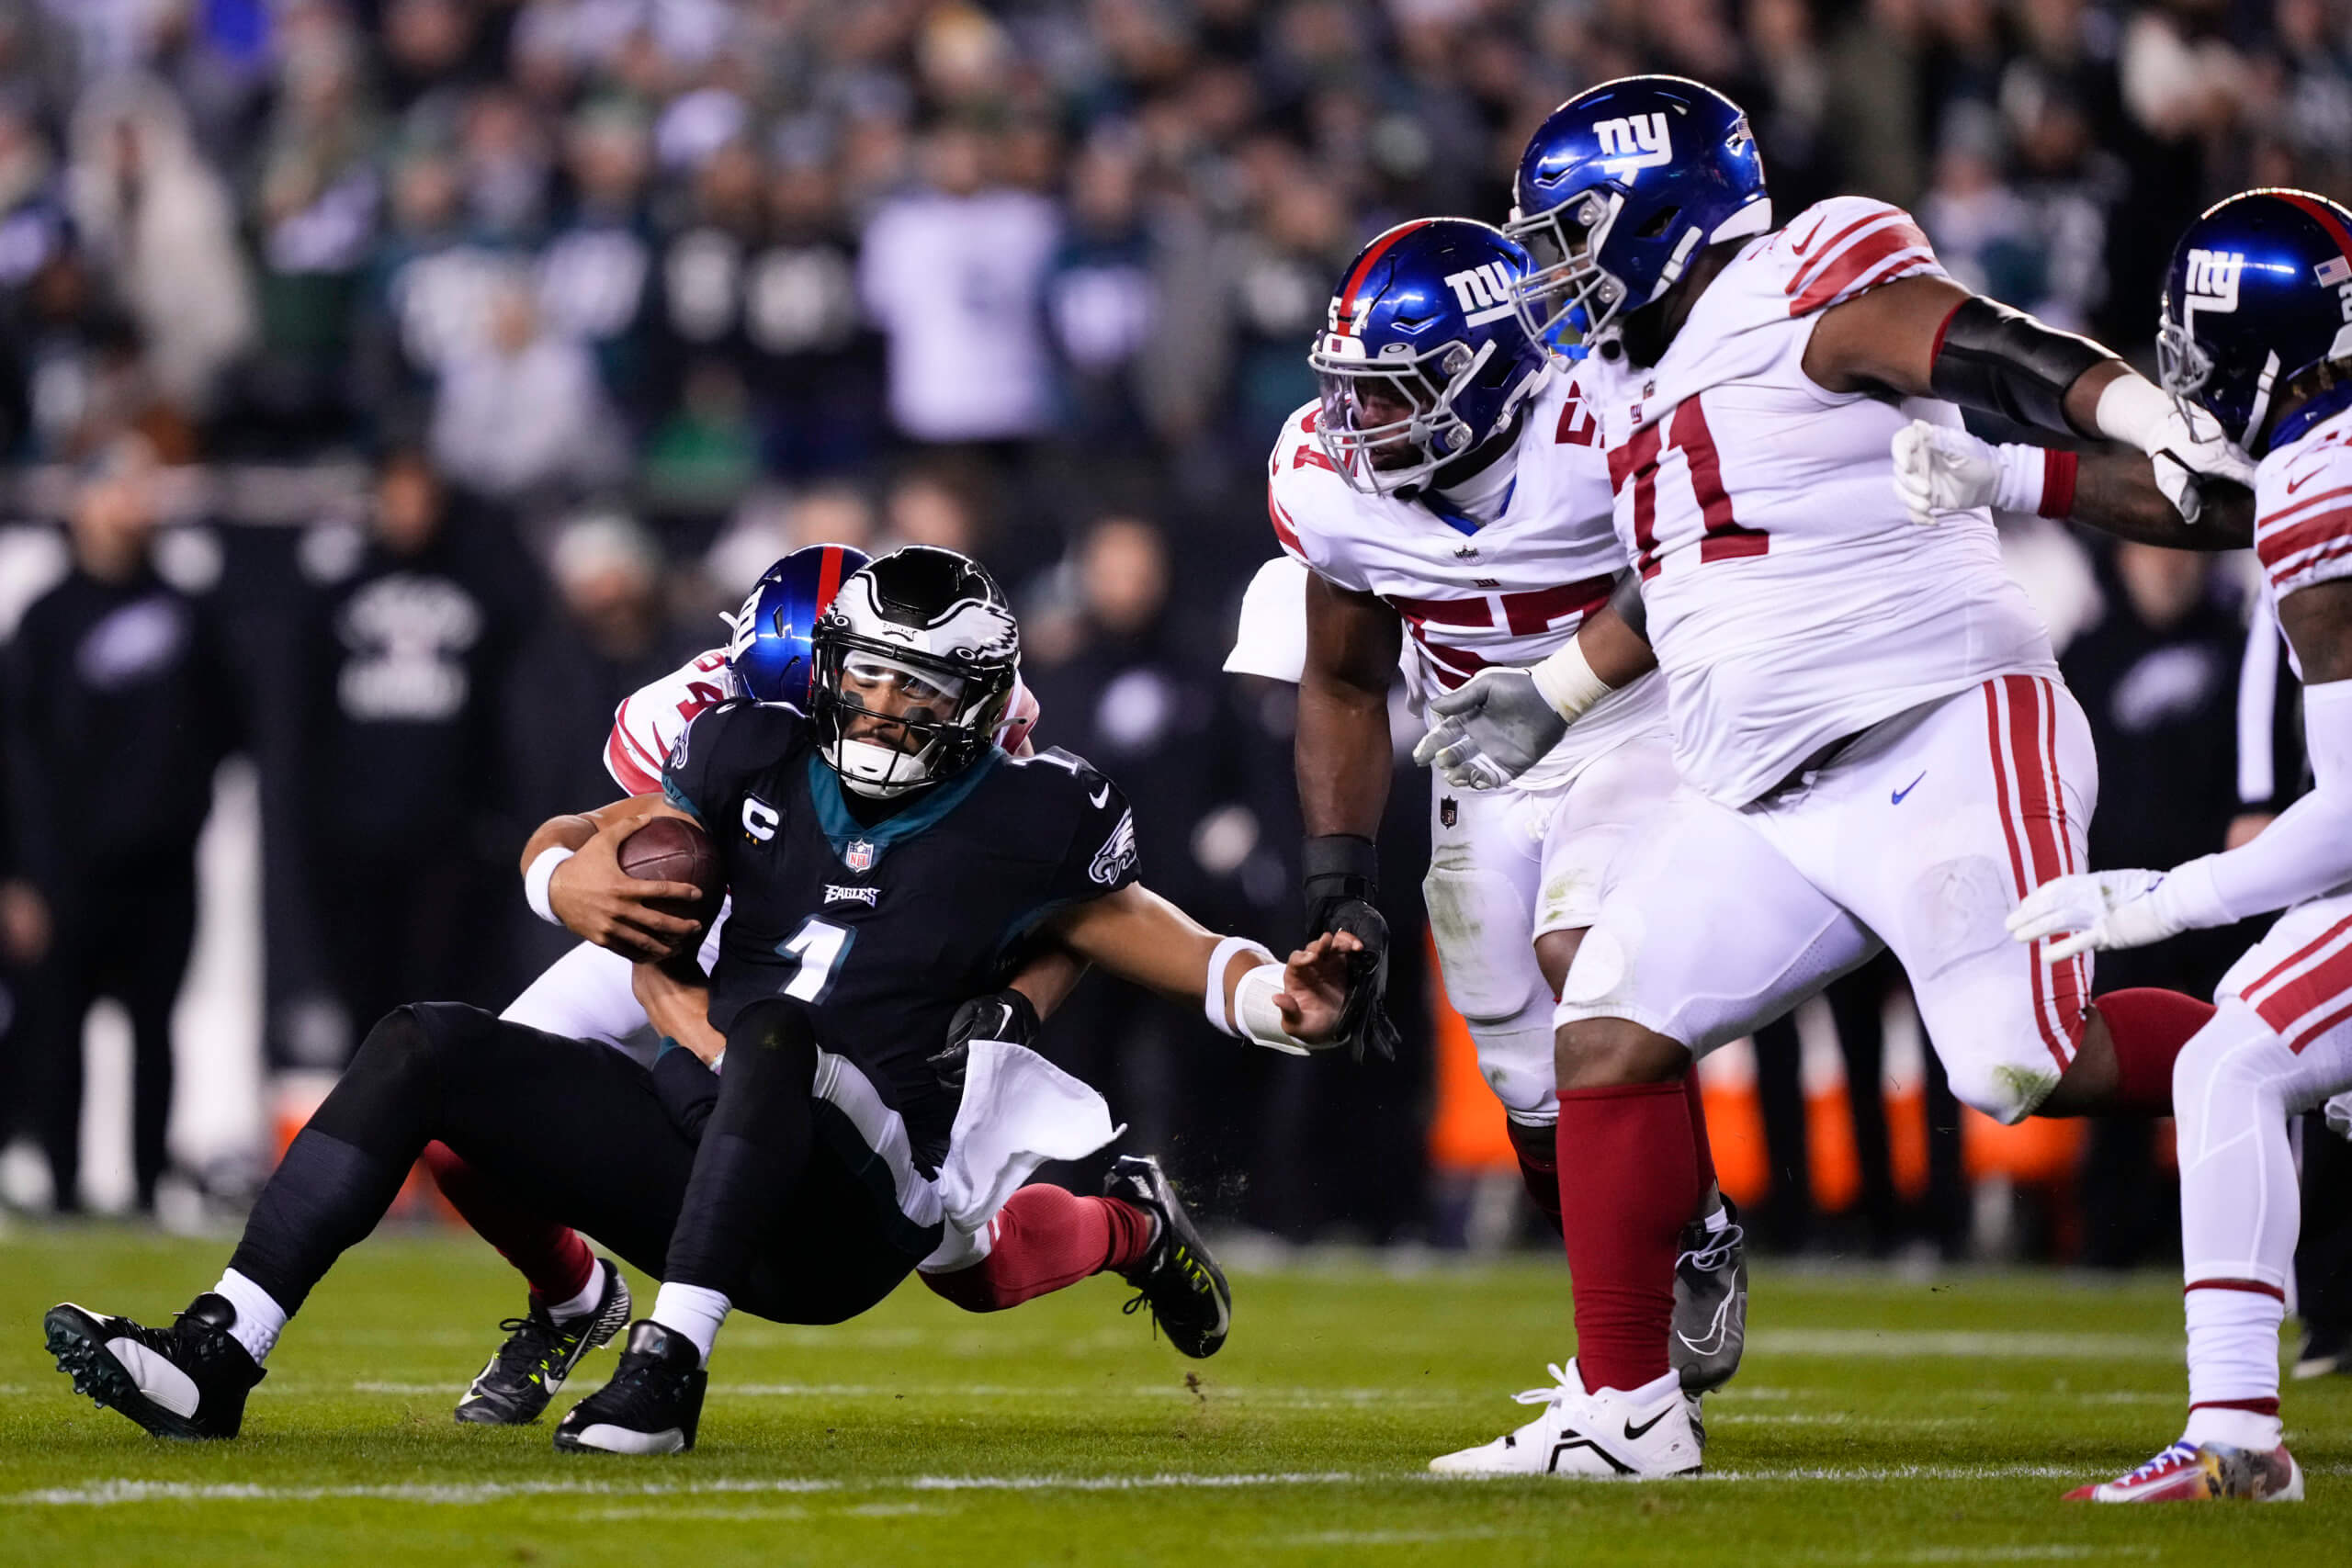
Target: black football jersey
<point>883,922</point>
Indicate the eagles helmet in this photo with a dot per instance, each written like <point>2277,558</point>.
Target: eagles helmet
<point>1424,355</point>
<point>2258,297</point>
<point>1619,188</point>
<point>770,654</point>
<point>916,659</point>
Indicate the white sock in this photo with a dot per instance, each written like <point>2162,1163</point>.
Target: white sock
<point>1718,1219</point>
<point>2232,1352</point>
<point>585,1302</point>
<point>260,1320</point>
<point>2234,1429</point>
<point>694,1312</point>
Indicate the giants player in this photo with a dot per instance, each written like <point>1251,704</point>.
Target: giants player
<point>2254,332</point>
<point>1875,744</point>
<point>1044,1237</point>
<point>1449,488</point>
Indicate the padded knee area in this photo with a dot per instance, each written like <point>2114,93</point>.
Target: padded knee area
<point>1485,943</point>
<point>386,1096</point>
<point>2006,1092</point>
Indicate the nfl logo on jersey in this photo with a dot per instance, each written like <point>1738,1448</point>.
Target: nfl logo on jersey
<point>859,856</point>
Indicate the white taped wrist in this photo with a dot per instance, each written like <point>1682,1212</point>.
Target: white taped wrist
<point>2017,484</point>
<point>2189,898</point>
<point>1257,1017</point>
<point>536,880</point>
<point>1214,1002</point>
<point>1565,680</point>
<point>2134,410</point>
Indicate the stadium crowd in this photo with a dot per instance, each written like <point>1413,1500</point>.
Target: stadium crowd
<point>441,367</point>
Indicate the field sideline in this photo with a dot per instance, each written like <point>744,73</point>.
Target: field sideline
<point>1876,1421</point>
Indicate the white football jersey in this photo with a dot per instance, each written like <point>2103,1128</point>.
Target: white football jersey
<point>1508,592</point>
<point>648,721</point>
<point>2303,511</point>
<point>1791,600</point>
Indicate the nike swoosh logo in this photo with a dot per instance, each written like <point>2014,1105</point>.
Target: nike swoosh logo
<point>1800,247</point>
<point>1896,798</point>
<point>1714,1342</point>
<point>2300,481</point>
<point>1635,1434</point>
<point>1098,796</point>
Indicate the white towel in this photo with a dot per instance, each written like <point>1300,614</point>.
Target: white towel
<point>1019,1111</point>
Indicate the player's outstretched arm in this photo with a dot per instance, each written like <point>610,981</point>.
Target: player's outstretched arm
<point>1141,937</point>
<point>1940,468</point>
<point>2304,853</point>
<point>1926,337</point>
<point>571,873</point>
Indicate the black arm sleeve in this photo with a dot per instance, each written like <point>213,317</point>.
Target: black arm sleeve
<point>1625,598</point>
<point>2005,361</point>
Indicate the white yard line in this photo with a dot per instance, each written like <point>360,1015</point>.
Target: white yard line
<point>1965,1344</point>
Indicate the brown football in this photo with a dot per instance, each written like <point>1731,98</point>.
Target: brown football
<point>671,849</point>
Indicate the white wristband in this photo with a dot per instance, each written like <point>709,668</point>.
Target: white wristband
<point>2134,410</point>
<point>1260,1021</point>
<point>1213,994</point>
<point>2018,477</point>
<point>1565,680</point>
<point>536,880</point>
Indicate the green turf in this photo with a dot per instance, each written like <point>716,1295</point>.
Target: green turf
<point>1876,1421</point>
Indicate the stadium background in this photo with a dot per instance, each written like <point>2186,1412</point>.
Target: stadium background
<point>579,312</point>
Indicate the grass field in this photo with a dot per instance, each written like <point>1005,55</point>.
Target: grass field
<point>1876,1421</point>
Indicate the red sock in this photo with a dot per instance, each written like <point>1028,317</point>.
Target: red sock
<point>551,1257</point>
<point>2149,1027</point>
<point>1700,1147</point>
<point>1045,1239</point>
<point>1634,1150</point>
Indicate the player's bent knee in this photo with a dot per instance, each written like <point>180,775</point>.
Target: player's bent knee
<point>420,1038</point>
<point>1606,1053</point>
<point>2006,1093</point>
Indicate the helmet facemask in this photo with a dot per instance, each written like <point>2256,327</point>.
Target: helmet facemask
<point>1568,298</point>
<point>890,720</point>
<point>1388,420</point>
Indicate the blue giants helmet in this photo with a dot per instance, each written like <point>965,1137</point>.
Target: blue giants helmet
<point>2259,295</point>
<point>1424,355</point>
<point>1619,187</point>
<point>770,653</point>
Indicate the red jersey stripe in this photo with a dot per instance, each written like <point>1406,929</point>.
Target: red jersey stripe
<point>1529,613</point>
<point>1445,612</point>
<point>2337,929</point>
<point>2274,546</point>
<point>2307,993</point>
<point>1283,529</point>
<point>622,764</point>
<point>1818,257</point>
<point>2306,503</point>
<point>1898,248</point>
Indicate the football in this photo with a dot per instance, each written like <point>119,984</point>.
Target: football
<point>671,848</point>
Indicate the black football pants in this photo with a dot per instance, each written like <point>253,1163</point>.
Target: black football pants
<point>582,1135</point>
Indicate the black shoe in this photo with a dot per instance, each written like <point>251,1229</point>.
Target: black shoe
<point>652,1404</point>
<point>2326,1352</point>
<point>539,1353</point>
<point>1710,1303</point>
<point>188,1381</point>
<point>1185,1289</point>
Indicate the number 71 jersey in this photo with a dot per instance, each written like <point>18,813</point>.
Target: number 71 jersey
<point>883,928</point>
<point>1792,602</point>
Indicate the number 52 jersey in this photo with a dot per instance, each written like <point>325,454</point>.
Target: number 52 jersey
<point>882,925</point>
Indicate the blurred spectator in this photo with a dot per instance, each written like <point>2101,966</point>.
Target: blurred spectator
<point>523,411</point>
<point>769,526</point>
<point>814,364</point>
<point>410,654</point>
<point>119,705</point>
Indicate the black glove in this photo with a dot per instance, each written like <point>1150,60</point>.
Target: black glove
<point>1006,1015</point>
<point>1342,877</point>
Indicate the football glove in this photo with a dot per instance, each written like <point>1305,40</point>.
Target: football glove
<point>1343,874</point>
<point>2104,909</point>
<point>1491,729</point>
<point>1005,1015</point>
<point>1938,468</point>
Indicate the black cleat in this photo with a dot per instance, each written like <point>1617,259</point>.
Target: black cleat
<point>188,1380</point>
<point>1710,1303</point>
<point>652,1404</point>
<point>539,1353</point>
<point>1182,1284</point>
<point>2326,1352</point>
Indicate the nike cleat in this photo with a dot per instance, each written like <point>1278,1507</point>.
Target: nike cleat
<point>188,1380</point>
<point>1177,1278</point>
<point>513,1389</point>
<point>651,1406</point>
<point>2187,1473</point>
<point>1710,1303</point>
<point>1609,1436</point>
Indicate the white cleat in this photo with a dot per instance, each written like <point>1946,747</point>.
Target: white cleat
<point>1611,1435</point>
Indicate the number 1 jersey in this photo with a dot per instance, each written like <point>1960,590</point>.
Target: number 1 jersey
<point>884,926</point>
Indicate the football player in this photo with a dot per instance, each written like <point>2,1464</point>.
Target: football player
<point>2253,333</point>
<point>885,863</point>
<point>1875,744</point>
<point>1448,495</point>
<point>1043,1239</point>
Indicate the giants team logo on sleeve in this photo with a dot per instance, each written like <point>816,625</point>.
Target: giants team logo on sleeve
<point>1483,292</point>
<point>1117,855</point>
<point>1636,142</point>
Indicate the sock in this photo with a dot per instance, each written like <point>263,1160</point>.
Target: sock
<point>1632,1147</point>
<point>552,1258</point>
<point>1043,1239</point>
<point>2149,1027</point>
<point>260,1320</point>
<point>1704,1151</point>
<point>581,1301</point>
<point>1537,1146</point>
<point>694,1312</point>
<point>2230,1428</point>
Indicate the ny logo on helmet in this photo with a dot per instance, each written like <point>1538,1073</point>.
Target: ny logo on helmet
<point>1634,143</point>
<point>1483,292</point>
<point>2213,279</point>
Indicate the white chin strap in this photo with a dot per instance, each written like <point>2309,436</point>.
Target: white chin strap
<point>878,772</point>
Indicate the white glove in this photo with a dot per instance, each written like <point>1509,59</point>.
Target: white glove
<point>1938,468</point>
<point>1491,729</point>
<point>2105,909</point>
<point>2183,442</point>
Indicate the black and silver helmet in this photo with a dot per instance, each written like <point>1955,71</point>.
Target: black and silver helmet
<point>929,633</point>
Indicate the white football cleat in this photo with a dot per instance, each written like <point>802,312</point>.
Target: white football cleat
<point>1610,1435</point>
